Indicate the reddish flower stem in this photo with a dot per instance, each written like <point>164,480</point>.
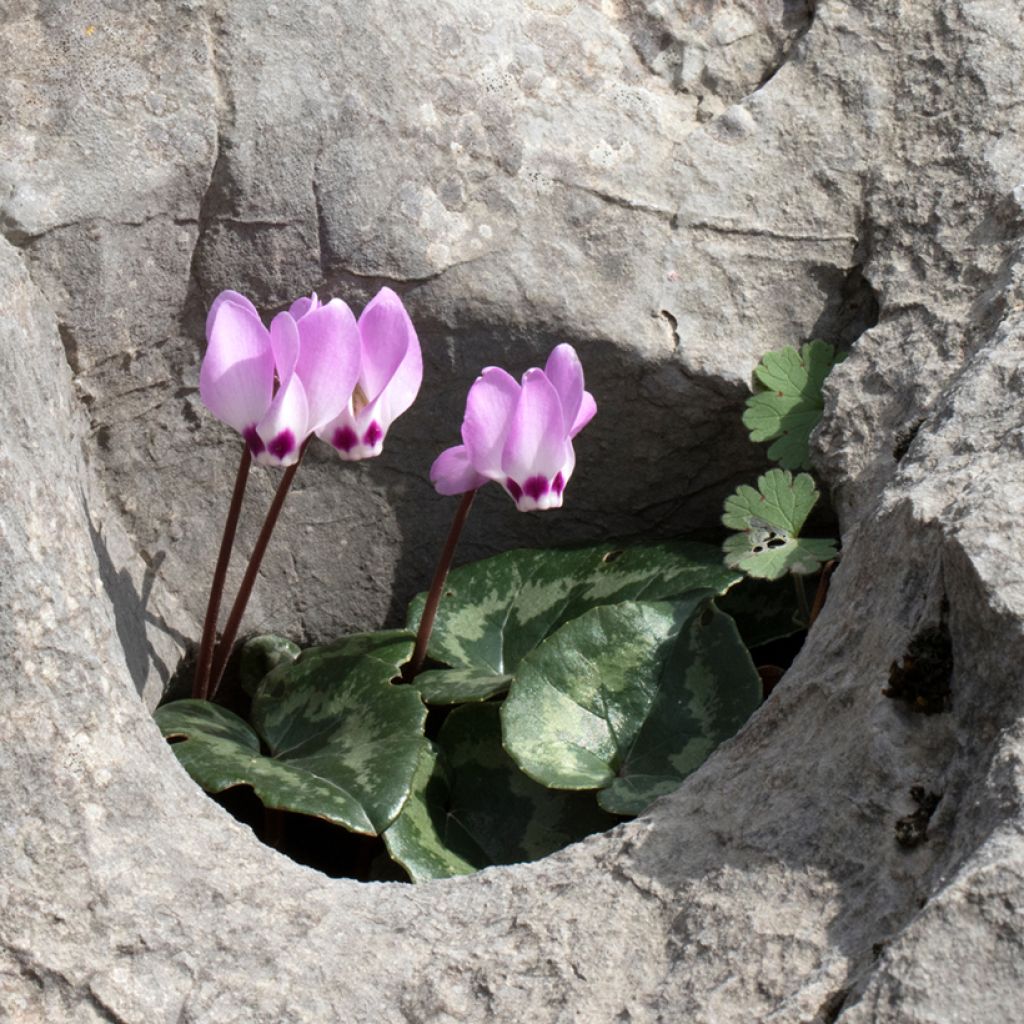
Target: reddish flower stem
<point>227,639</point>
<point>201,684</point>
<point>419,653</point>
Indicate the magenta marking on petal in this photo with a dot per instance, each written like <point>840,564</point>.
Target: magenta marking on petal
<point>282,445</point>
<point>373,434</point>
<point>514,489</point>
<point>253,440</point>
<point>344,439</point>
<point>558,484</point>
<point>536,487</point>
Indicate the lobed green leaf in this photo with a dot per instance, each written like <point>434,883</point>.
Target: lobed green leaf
<point>771,517</point>
<point>790,403</point>
<point>460,685</point>
<point>425,839</point>
<point>220,751</point>
<point>261,654</point>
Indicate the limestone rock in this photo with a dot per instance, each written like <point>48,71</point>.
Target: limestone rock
<point>523,175</point>
<point>856,176</point>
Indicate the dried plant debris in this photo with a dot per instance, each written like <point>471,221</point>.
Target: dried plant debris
<point>912,829</point>
<point>922,677</point>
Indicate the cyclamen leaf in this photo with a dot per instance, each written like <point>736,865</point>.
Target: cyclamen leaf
<point>710,688</point>
<point>771,517</point>
<point>342,742</point>
<point>460,685</point>
<point>424,838</point>
<point>220,751</point>
<point>790,404</point>
<point>629,699</point>
<point>259,655</point>
<point>471,806</point>
<point>496,611</point>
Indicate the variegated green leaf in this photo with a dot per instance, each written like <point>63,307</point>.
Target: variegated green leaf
<point>425,838</point>
<point>341,742</point>
<point>472,807</point>
<point>495,612</point>
<point>709,688</point>
<point>460,685</point>
<point>335,713</point>
<point>220,751</point>
<point>259,655</point>
<point>629,699</point>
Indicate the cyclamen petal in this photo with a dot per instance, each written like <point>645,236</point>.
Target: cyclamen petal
<point>388,341</point>
<point>564,371</point>
<point>313,351</point>
<point>490,405</point>
<point>588,407</point>
<point>520,435</point>
<point>236,379</point>
<point>283,429</point>
<point>389,379</point>
<point>284,342</point>
<point>536,433</point>
<point>228,296</point>
<point>453,473</point>
<point>328,361</point>
<point>302,305</point>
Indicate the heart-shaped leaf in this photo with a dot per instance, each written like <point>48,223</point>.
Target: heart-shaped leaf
<point>471,806</point>
<point>340,741</point>
<point>710,688</point>
<point>220,751</point>
<point>496,611</point>
<point>425,838</point>
<point>790,403</point>
<point>630,699</point>
<point>771,517</point>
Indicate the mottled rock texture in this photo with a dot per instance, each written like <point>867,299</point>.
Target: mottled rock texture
<point>673,187</point>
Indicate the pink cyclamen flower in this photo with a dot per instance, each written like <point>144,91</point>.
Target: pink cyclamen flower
<point>313,353</point>
<point>389,379</point>
<point>520,435</point>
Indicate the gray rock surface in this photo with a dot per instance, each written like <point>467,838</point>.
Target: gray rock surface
<point>673,187</point>
<point>524,175</point>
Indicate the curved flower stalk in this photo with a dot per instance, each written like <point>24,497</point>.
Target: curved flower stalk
<point>520,435</point>
<point>389,379</point>
<point>312,350</point>
<point>276,388</point>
